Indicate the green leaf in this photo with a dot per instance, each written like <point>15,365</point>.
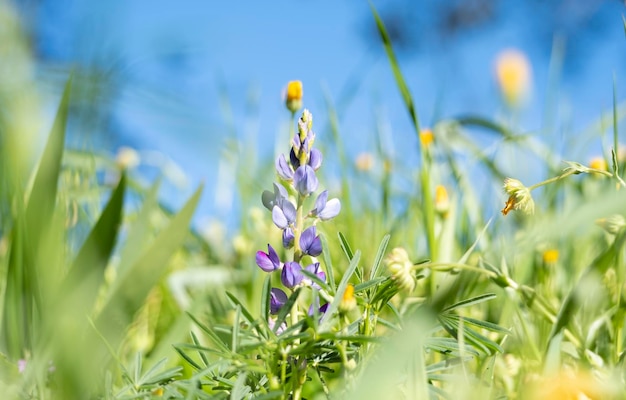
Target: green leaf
<point>265,297</point>
<point>286,309</point>
<point>470,302</point>
<point>247,314</point>
<point>334,305</point>
<point>87,271</point>
<point>395,67</point>
<point>139,230</point>
<point>327,261</point>
<point>217,341</point>
<point>368,284</point>
<point>24,282</point>
<point>345,246</point>
<point>382,247</point>
<point>131,289</point>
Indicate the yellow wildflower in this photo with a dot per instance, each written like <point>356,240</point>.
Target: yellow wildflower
<point>519,197</point>
<point>348,301</point>
<point>293,99</point>
<point>442,202</point>
<point>426,138</point>
<point>598,163</point>
<point>513,73</point>
<point>550,256</point>
<point>365,162</point>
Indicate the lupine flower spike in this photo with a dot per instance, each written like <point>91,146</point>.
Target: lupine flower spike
<point>298,173</point>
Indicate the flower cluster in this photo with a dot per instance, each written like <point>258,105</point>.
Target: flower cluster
<point>298,178</point>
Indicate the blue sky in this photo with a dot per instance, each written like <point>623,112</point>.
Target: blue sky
<point>170,65</point>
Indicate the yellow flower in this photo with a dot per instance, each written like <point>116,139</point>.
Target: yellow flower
<point>293,98</point>
<point>426,138</point>
<point>348,301</point>
<point>550,256</point>
<point>513,73</point>
<point>442,202</point>
<point>127,158</point>
<point>364,162</point>
<point>598,163</point>
<point>570,385</point>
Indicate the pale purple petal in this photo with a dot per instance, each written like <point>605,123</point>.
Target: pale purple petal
<point>305,180</point>
<point>288,238</point>
<point>315,159</point>
<point>320,203</point>
<point>331,210</point>
<point>279,218</point>
<point>283,168</point>
<point>290,211</point>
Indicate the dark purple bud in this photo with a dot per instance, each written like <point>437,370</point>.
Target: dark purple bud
<point>278,298</point>
<point>283,168</point>
<point>293,159</point>
<point>288,238</point>
<point>315,159</point>
<point>305,180</point>
<point>291,275</point>
<point>269,261</point>
<point>310,243</point>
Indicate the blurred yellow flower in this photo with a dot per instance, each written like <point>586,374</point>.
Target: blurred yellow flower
<point>570,385</point>
<point>550,256</point>
<point>293,98</point>
<point>598,163</point>
<point>426,137</point>
<point>513,73</point>
<point>364,162</point>
<point>442,201</point>
<point>348,301</point>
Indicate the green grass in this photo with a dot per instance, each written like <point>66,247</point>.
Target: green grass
<point>108,294</point>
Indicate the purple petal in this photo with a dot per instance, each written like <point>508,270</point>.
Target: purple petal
<point>273,256</point>
<point>324,308</point>
<point>309,243</point>
<point>291,275</point>
<point>305,180</point>
<point>264,262</point>
<point>279,218</point>
<point>315,159</point>
<point>283,168</point>
<point>331,210</point>
<point>290,211</point>
<point>270,199</point>
<point>288,238</point>
<point>320,202</point>
<point>278,298</point>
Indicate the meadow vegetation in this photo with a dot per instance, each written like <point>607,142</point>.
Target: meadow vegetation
<point>376,278</point>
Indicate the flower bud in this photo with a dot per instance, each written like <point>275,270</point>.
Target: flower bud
<point>401,269</point>
<point>613,224</point>
<point>519,197</point>
<point>348,301</point>
<point>293,98</point>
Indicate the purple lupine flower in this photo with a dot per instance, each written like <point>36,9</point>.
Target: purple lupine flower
<point>284,215</point>
<point>304,180</point>
<point>316,305</point>
<point>288,238</point>
<point>326,209</point>
<point>269,261</point>
<point>317,271</point>
<point>310,243</point>
<point>282,167</point>
<point>270,199</point>
<point>293,159</point>
<point>278,298</point>
<point>291,275</point>
<point>272,323</point>
<point>315,159</point>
